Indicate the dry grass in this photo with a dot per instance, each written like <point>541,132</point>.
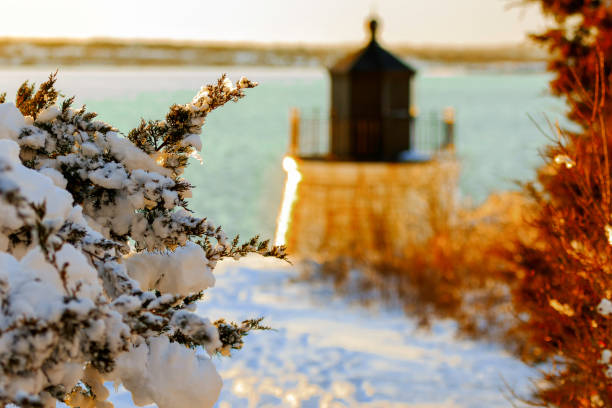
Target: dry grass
<point>456,268</point>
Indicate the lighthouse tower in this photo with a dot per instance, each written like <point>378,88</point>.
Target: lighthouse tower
<point>371,194</point>
<point>370,104</point>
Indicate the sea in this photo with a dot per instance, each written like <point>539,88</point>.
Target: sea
<point>503,121</point>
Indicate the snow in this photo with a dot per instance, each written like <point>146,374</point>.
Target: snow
<point>111,175</point>
<point>328,352</point>
<point>188,264</point>
<point>48,114</point>
<point>34,138</point>
<point>35,188</point>
<point>11,121</point>
<point>80,276</point>
<point>193,140</point>
<point>129,154</point>
<point>151,373</point>
<point>606,355</point>
<point>90,149</point>
<point>604,307</point>
<point>58,178</point>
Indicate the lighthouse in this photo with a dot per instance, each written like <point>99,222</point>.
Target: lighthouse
<point>371,92</point>
<point>369,193</point>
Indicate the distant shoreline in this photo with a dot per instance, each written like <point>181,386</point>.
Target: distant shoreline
<point>106,52</point>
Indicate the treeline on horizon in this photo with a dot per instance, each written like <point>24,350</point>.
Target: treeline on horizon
<point>105,51</point>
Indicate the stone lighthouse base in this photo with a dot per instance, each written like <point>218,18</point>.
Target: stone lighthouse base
<point>368,211</point>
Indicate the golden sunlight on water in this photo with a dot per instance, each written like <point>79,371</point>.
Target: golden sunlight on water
<point>289,197</point>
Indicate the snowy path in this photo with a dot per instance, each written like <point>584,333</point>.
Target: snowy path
<point>327,353</point>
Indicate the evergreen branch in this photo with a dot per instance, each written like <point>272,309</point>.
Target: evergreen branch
<point>30,103</point>
<point>237,251</point>
<point>232,334</point>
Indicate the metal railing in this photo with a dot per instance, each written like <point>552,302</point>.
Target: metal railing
<point>311,133</point>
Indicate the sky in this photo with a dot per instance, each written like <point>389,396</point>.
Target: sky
<point>449,22</point>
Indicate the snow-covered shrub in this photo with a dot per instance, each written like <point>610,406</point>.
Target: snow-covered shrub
<point>100,259</point>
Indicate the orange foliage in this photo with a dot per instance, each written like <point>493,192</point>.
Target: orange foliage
<point>569,271</point>
<point>581,27</point>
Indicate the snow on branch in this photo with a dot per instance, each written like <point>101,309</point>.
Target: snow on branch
<point>101,260</point>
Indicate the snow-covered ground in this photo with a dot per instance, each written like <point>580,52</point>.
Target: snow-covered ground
<point>327,352</point>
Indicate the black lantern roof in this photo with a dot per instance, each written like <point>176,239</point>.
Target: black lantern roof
<point>372,58</point>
